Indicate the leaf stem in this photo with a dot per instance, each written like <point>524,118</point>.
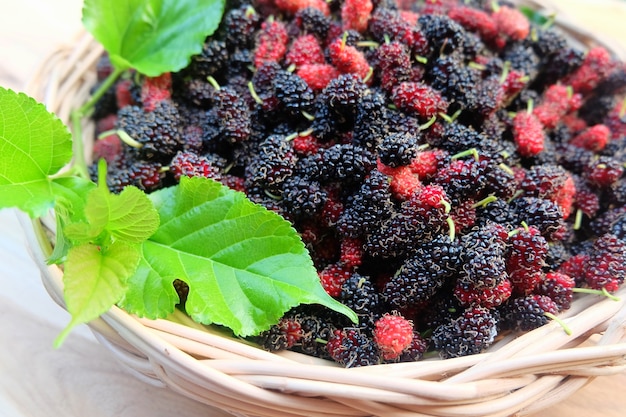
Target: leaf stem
<point>77,116</point>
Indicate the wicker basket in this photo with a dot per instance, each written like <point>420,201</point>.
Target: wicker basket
<point>517,375</point>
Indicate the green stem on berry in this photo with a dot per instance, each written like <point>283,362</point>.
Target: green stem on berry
<point>506,68</point>
<point>250,11</point>
<point>253,93</point>
<point>320,340</point>
<point>470,152</point>
<point>513,232</point>
<point>100,91</point>
<point>307,132</point>
<point>76,117</point>
<point>477,66</point>
<point>344,40</point>
<point>495,6</point>
<point>213,82</point>
<point>421,59</point>
<point>368,44</point>
<point>445,117</point>
<point>228,167</point>
<point>107,133</point>
<point>307,116</point>
<point>445,205</point>
<point>504,167</point>
<point>558,320</point>
<point>291,137</point>
<point>291,68</point>
<point>451,228</point>
<point>603,292</point>
<point>482,203</point>
<point>428,123</point>
<point>272,196</point>
<point>368,76</point>
<point>578,220</point>
<point>127,139</point>
<point>534,36</point>
<point>530,106</point>
<point>514,196</point>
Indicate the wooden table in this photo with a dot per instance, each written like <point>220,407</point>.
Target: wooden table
<point>81,378</point>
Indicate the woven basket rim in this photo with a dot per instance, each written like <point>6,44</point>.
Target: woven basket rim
<point>522,374</point>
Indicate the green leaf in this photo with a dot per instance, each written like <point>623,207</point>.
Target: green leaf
<point>129,216</point>
<point>245,266</point>
<point>71,194</point>
<point>95,279</point>
<point>34,144</point>
<point>534,16</point>
<point>152,36</point>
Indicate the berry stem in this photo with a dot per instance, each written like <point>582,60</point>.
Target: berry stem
<point>470,152</point>
<point>578,220</point>
<point>451,228</point>
<point>504,167</point>
<point>428,123</point>
<point>107,133</point>
<point>307,116</point>
<point>421,59</point>
<point>127,139</point>
<point>213,82</point>
<point>253,93</point>
<point>485,201</point>
<point>558,320</point>
<point>602,292</point>
<point>506,68</point>
<point>77,116</point>
<point>368,44</point>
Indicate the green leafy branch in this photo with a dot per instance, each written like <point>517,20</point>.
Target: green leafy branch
<point>244,265</point>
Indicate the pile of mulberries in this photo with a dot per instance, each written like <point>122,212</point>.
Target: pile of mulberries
<point>455,170</point>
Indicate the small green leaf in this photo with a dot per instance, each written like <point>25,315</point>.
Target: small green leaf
<point>129,216</point>
<point>34,144</point>
<point>95,279</point>
<point>533,15</point>
<point>71,194</point>
<point>152,36</point>
<point>245,266</point>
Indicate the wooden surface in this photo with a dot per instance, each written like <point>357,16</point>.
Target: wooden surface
<point>81,378</point>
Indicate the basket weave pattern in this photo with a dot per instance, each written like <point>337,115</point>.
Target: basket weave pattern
<point>520,374</point>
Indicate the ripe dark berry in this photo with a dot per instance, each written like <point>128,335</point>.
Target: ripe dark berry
<point>358,293</point>
<point>352,348</point>
<point>398,149</point>
<point>241,23</point>
<point>157,132</point>
<point>559,287</point>
<point>302,197</point>
<point>472,332</point>
<point>527,312</point>
<point>369,208</point>
<point>606,266</point>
